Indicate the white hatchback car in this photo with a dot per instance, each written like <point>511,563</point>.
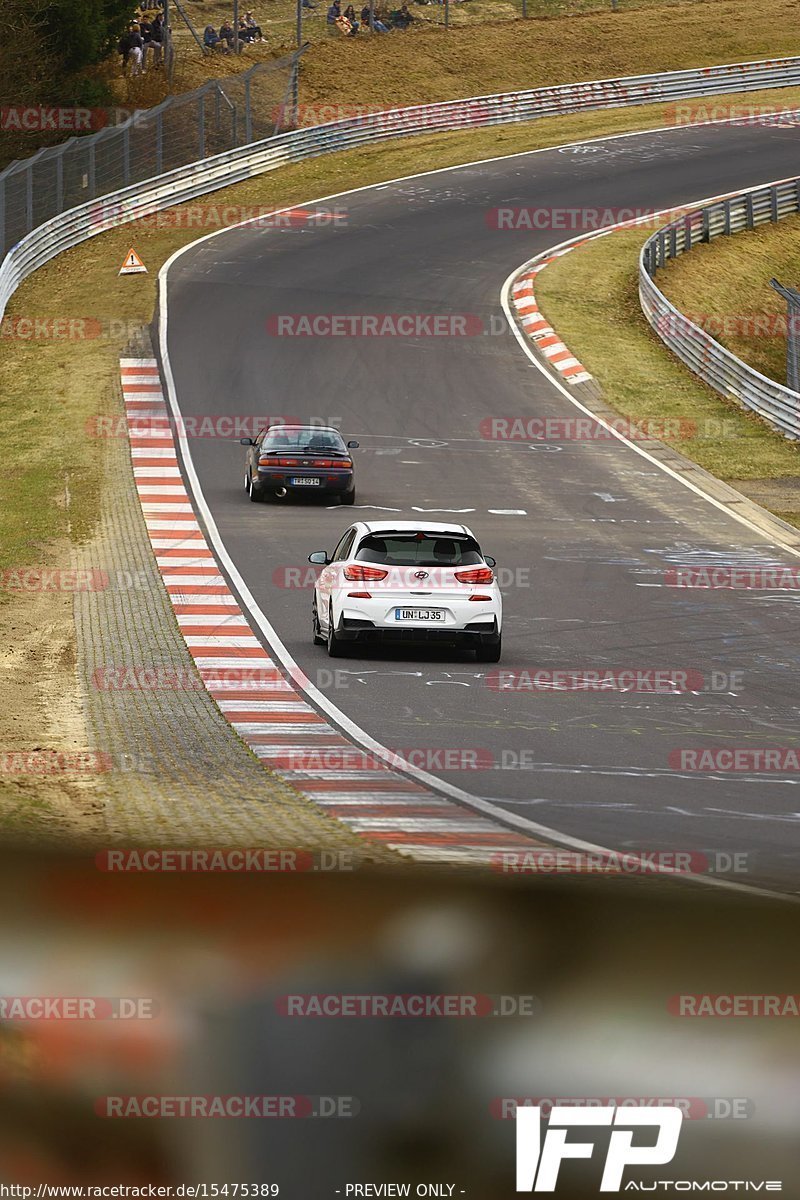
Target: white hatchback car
<point>402,581</point>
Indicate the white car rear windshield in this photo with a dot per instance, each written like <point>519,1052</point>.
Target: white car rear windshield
<point>420,549</point>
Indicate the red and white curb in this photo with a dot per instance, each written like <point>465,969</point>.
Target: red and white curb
<point>544,337</point>
<point>268,712</point>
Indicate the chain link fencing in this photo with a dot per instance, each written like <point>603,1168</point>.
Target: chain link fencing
<point>219,116</point>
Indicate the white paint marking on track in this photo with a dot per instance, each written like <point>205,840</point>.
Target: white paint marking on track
<point>322,702</point>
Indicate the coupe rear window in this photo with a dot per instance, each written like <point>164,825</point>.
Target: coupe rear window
<point>426,550</point>
<point>303,441</point>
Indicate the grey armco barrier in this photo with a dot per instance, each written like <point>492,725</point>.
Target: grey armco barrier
<point>186,183</point>
<point>697,348</point>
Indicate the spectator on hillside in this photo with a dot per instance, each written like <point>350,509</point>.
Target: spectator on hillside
<point>403,18</point>
<point>136,49</point>
<point>334,12</point>
<point>124,48</point>
<point>377,24</point>
<point>226,33</point>
<point>254,29</point>
<point>211,38</point>
<point>350,15</point>
<point>157,39</point>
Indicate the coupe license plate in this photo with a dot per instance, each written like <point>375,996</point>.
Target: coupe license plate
<point>418,614</point>
<point>304,481</point>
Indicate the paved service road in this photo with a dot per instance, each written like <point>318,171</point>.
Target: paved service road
<point>590,527</point>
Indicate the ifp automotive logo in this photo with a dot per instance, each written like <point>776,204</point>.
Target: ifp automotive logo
<point>539,1160</point>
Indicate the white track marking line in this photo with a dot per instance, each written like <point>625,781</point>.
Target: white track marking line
<point>268,631</point>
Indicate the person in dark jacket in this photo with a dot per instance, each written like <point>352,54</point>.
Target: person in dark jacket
<point>136,50</point>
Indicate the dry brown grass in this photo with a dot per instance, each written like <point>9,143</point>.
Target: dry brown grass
<point>566,40</point>
<point>725,286</point>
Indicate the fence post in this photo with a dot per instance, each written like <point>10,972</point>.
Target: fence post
<point>792,298</point>
<point>201,125</point>
<point>126,154</point>
<point>60,179</point>
<point>296,91</point>
<point>248,115</point>
<point>92,172</point>
<point>159,143</point>
<point>3,246</point>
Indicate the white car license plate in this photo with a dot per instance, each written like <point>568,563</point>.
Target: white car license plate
<point>419,614</point>
<point>304,481</point>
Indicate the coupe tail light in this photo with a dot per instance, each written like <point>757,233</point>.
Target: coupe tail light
<point>314,463</point>
<point>479,575</point>
<point>359,595</point>
<point>480,597</point>
<point>364,574</point>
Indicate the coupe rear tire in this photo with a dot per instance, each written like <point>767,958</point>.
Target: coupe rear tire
<point>490,653</point>
<point>349,497</point>
<point>252,492</point>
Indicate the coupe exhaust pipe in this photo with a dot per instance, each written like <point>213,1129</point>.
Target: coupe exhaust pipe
<point>281,492</point>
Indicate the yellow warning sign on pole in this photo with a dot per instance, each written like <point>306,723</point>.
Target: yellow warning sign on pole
<point>133,265</point>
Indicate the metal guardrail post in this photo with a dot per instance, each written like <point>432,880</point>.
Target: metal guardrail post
<point>748,211</point>
<point>773,203</point>
<point>727,209</point>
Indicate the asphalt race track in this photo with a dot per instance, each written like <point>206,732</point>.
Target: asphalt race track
<point>589,527</point>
